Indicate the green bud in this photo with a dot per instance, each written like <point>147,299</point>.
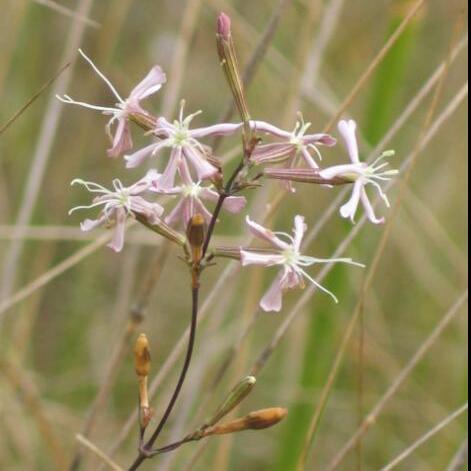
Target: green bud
<point>240,391</point>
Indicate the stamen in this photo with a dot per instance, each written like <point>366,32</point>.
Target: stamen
<point>100,74</point>
<point>67,99</point>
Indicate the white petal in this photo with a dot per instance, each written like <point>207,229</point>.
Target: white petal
<point>347,129</point>
<point>349,209</point>
<point>299,230</point>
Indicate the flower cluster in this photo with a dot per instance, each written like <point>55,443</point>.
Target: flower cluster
<point>193,175</point>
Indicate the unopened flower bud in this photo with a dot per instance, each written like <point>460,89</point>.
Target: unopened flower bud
<point>142,356</point>
<point>229,63</point>
<point>196,234</point>
<point>224,26</point>
<point>256,420</point>
<point>265,418</point>
<point>240,391</point>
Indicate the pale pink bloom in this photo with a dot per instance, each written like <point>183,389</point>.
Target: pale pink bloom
<point>122,141</point>
<point>185,147</point>
<point>119,204</point>
<point>361,174</point>
<point>292,145</point>
<point>286,254</point>
<point>192,196</point>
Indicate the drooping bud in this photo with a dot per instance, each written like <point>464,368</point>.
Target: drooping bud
<point>196,234</point>
<point>256,420</point>
<point>238,393</point>
<point>229,63</point>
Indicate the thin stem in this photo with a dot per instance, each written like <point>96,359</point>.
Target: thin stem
<point>223,195</point>
<point>146,449</point>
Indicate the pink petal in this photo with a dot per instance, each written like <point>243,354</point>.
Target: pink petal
<point>136,159</point>
<point>177,213</point>
<point>263,126</point>
<point>347,129</point>
<point>151,83</point>
<point>202,167</point>
<point>324,139</point>
<point>117,242</point>
<point>273,152</point>
<point>209,194</point>
<point>90,224</point>
<point>223,129</point>
<point>248,257</point>
<point>199,207</point>
<point>122,141</point>
<point>167,180</point>
<point>272,300</point>
<point>308,159</point>
<point>265,234</point>
<point>152,211</point>
<point>145,183</point>
<point>234,204</point>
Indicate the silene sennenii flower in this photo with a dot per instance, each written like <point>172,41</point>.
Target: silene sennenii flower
<point>119,204</point>
<point>185,146</point>
<point>192,195</point>
<point>292,145</point>
<point>285,253</point>
<point>360,174</point>
<point>122,141</point>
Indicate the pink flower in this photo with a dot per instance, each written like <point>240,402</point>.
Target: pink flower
<point>292,145</point>
<point>361,174</point>
<point>192,194</point>
<point>122,141</point>
<point>118,205</point>
<point>185,147</point>
<point>285,253</point>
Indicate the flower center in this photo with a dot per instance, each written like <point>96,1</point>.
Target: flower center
<point>192,190</point>
<point>181,134</point>
<point>290,256</point>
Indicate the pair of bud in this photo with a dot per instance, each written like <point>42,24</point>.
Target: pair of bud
<point>255,420</point>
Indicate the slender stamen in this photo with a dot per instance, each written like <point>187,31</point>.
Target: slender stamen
<point>91,186</point>
<point>100,74</point>
<point>105,109</point>
<point>315,283</point>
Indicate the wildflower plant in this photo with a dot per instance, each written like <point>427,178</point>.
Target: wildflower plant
<point>191,174</point>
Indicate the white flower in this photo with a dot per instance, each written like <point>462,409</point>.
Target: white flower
<point>286,254</point>
<point>361,174</point>
<point>122,141</point>
<point>185,146</point>
<point>119,204</point>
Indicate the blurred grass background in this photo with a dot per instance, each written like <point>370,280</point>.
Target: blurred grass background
<point>56,344</point>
